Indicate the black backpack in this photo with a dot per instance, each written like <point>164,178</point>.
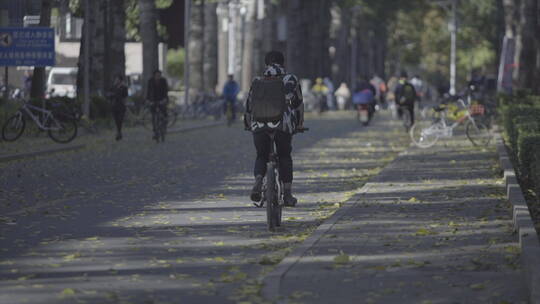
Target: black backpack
<point>408,94</point>
<point>268,101</point>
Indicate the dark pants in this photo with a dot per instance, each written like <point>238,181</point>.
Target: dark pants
<point>407,107</point>
<point>119,111</point>
<point>232,104</point>
<point>283,149</point>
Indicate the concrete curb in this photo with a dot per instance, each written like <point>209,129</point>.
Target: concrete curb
<point>523,224</point>
<point>19,156</point>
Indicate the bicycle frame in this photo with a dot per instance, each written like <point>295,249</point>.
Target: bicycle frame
<point>45,117</point>
<point>447,128</point>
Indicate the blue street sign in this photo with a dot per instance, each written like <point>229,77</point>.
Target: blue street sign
<point>28,46</point>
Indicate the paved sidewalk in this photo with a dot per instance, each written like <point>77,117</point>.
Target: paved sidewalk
<point>433,227</point>
<point>37,144</point>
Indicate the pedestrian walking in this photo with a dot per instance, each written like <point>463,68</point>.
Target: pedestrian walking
<point>119,92</point>
<point>330,93</point>
<point>343,94</point>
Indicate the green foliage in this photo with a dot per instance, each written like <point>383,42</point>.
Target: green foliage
<point>419,36</point>
<point>132,19</point>
<point>175,62</point>
<point>528,146</point>
<point>521,120</point>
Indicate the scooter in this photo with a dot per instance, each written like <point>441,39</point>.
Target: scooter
<point>363,114</point>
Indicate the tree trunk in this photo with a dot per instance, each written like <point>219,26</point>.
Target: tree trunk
<point>297,37</point>
<point>210,65</point>
<point>196,49</point>
<point>248,52</point>
<point>223,44</point>
<point>98,49</point>
<point>529,44</point>
<point>38,79</point>
<point>149,37</point>
<point>118,38</point>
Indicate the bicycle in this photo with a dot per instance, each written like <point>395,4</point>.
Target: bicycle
<point>61,127</point>
<point>229,113</point>
<point>159,122</point>
<point>425,134</point>
<point>272,189</point>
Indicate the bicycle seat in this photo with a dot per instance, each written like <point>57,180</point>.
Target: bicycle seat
<point>438,109</point>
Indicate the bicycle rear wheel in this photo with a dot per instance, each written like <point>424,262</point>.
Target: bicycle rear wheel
<point>271,199</point>
<point>478,133</point>
<point>424,134</point>
<point>171,119</point>
<point>14,127</point>
<point>63,131</point>
<point>406,119</point>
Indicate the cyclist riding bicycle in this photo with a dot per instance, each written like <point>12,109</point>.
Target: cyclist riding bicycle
<point>158,97</point>
<point>276,89</point>
<point>405,95</point>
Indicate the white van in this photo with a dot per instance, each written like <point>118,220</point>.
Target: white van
<point>62,82</point>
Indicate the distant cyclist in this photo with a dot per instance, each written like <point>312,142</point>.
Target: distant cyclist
<point>230,93</point>
<point>405,95</point>
<point>158,96</point>
<point>258,119</point>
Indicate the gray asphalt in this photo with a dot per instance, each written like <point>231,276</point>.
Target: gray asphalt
<point>136,222</point>
<point>432,227</point>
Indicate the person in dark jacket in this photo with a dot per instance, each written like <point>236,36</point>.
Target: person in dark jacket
<point>158,96</point>
<point>119,92</point>
<point>406,96</point>
<point>291,121</point>
<point>230,93</point>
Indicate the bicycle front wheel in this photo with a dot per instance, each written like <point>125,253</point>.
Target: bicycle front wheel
<point>271,198</point>
<point>171,119</point>
<point>63,131</point>
<point>14,127</point>
<point>424,134</point>
<point>147,120</point>
<point>478,133</point>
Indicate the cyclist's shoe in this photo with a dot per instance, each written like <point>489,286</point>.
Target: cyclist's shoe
<point>118,136</point>
<point>256,191</point>
<point>289,200</point>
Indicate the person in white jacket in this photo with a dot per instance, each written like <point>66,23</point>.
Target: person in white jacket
<point>343,94</point>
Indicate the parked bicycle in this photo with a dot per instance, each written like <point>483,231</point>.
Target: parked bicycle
<point>272,194</point>
<point>425,133</point>
<point>60,126</point>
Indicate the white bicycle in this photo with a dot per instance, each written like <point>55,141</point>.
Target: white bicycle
<point>61,127</point>
<point>425,133</point>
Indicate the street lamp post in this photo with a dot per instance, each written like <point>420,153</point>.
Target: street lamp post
<point>451,7</point>
<point>86,76</point>
<point>453,37</point>
<point>187,21</point>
